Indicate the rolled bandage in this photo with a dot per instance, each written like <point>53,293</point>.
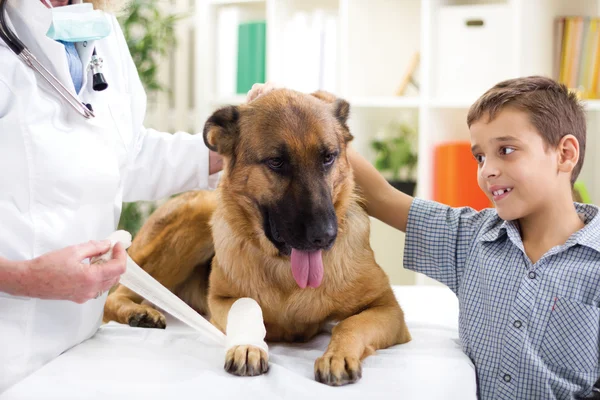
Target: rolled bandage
<point>139,281</point>
<point>119,236</point>
<point>245,325</point>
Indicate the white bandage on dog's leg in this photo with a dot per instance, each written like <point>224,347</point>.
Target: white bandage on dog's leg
<point>245,325</point>
<point>123,237</point>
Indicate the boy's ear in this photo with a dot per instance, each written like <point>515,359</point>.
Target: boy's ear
<point>568,153</point>
<point>221,130</point>
<point>341,110</point>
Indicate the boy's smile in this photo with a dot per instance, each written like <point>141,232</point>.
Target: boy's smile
<point>499,192</point>
<point>517,170</point>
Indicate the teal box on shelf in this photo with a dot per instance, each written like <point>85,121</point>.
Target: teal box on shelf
<point>252,51</point>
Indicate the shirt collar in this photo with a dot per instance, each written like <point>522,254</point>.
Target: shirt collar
<point>497,231</point>
<point>588,236</point>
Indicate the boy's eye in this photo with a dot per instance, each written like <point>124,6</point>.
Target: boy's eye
<point>506,150</point>
<point>479,158</point>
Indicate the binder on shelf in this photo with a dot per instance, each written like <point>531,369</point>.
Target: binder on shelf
<point>577,54</point>
<point>309,57</point>
<point>252,51</point>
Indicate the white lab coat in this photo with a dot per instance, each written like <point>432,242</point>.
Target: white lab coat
<point>63,177</point>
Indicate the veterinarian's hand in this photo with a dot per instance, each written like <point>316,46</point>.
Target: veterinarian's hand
<point>258,89</point>
<point>63,275</point>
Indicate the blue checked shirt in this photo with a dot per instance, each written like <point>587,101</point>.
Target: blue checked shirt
<point>531,330</point>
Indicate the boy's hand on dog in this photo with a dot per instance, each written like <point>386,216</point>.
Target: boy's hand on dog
<point>246,361</point>
<point>258,89</point>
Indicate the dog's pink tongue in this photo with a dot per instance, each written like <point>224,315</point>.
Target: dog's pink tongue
<point>307,268</point>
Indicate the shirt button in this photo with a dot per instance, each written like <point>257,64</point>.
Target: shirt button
<point>517,324</point>
<point>507,378</point>
<point>532,275</point>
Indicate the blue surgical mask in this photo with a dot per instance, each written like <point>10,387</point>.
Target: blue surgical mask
<point>78,23</point>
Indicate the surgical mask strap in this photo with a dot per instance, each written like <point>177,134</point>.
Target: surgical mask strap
<point>48,3</point>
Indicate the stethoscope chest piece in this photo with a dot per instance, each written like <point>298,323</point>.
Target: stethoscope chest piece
<point>99,82</point>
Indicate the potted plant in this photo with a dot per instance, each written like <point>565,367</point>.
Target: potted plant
<point>395,155</point>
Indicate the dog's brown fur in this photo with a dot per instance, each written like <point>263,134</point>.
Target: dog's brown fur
<point>175,244</point>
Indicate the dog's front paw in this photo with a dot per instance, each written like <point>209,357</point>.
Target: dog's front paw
<point>246,361</point>
<point>337,370</point>
<point>147,317</point>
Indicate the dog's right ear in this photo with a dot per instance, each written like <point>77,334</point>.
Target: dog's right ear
<point>341,108</point>
<point>221,130</point>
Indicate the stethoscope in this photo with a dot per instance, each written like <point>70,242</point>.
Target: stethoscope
<point>13,42</point>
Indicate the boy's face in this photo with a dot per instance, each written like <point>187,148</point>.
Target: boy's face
<point>517,171</point>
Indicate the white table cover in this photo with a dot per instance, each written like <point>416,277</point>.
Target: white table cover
<point>121,362</point>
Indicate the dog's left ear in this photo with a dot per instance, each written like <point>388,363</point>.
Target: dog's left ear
<point>341,110</point>
<point>221,130</point>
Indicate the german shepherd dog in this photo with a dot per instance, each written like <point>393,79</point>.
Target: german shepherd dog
<point>285,227</point>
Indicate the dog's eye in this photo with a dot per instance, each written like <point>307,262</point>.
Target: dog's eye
<point>275,163</point>
<point>329,159</point>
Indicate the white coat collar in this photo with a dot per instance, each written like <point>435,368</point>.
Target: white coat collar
<point>31,20</point>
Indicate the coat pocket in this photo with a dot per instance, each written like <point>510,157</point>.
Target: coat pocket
<point>571,338</point>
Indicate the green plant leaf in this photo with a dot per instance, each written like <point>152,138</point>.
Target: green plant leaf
<point>394,150</point>
<point>150,33</point>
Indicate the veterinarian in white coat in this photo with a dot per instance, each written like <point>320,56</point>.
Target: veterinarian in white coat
<point>63,178</point>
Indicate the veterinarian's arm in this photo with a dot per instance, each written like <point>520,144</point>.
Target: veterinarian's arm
<point>9,273</point>
<point>156,164</point>
<point>383,201</point>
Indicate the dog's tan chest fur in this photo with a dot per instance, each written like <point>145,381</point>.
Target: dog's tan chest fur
<point>291,313</point>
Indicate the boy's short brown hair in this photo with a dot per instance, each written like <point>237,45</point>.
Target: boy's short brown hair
<point>553,110</point>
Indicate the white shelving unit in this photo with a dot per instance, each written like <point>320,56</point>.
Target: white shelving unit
<point>375,42</point>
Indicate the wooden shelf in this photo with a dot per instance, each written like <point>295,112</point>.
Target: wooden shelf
<point>356,102</point>
<point>384,102</point>
<point>450,103</point>
<point>229,100</point>
<point>592,105</point>
<point>234,2</point>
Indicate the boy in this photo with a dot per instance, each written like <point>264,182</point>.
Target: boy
<point>526,273</point>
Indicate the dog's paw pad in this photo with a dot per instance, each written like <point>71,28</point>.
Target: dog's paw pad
<point>246,361</point>
<point>337,370</point>
<point>148,318</point>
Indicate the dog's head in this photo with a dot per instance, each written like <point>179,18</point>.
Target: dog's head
<point>286,171</point>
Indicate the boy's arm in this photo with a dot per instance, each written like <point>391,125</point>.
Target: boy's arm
<point>439,240</point>
<point>383,201</point>
<point>438,237</point>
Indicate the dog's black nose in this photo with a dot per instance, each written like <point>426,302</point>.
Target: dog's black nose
<point>322,235</point>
